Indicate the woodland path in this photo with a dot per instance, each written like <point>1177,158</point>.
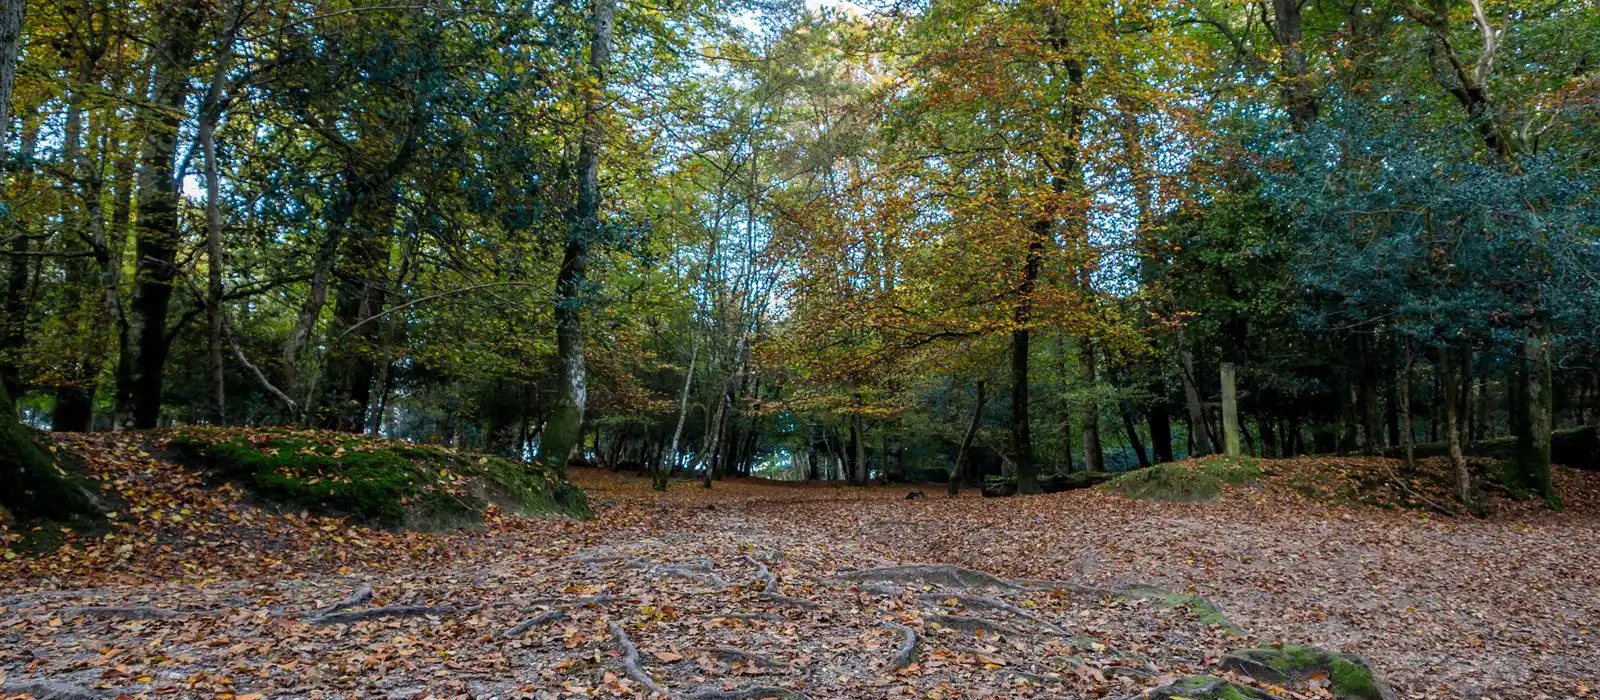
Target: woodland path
<point>743,591</point>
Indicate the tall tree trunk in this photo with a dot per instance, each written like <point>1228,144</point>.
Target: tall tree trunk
<point>1230,411</point>
<point>573,388</point>
<point>1199,433</point>
<point>665,470</point>
<point>1131,428</point>
<point>206,134</point>
<point>143,357</point>
<point>74,408</point>
<point>1021,424</point>
<point>1298,98</point>
<point>1088,369</point>
<point>1465,483</point>
<point>962,469</point>
<point>1533,464</point>
<point>362,292</point>
<point>10,46</point>
<point>1066,403</point>
<point>19,268</point>
<point>1409,435</point>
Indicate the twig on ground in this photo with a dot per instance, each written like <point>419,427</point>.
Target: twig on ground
<point>753,692</point>
<point>126,613</point>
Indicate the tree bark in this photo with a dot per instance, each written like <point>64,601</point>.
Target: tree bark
<point>1199,432</point>
<point>573,388</point>
<point>144,345</point>
<point>10,46</point>
<point>1466,486</point>
<point>1021,424</point>
<point>1230,411</point>
<point>664,472</point>
<point>206,134</point>
<point>1088,369</point>
<point>962,468</point>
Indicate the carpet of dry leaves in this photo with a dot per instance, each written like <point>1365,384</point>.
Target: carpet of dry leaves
<point>737,592</point>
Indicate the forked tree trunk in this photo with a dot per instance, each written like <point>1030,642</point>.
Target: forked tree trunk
<point>962,468</point>
<point>144,342</point>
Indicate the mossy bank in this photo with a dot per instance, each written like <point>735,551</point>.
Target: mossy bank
<point>373,481</point>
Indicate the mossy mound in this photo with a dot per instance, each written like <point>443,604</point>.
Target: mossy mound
<point>1347,676</point>
<point>1190,481</point>
<point>374,481</point>
<point>1206,688</point>
<point>1197,605</point>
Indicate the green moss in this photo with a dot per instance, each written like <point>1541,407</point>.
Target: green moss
<point>1351,679</point>
<point>1195,481</point>
<point>376,481</point>
<point>1197,606</point>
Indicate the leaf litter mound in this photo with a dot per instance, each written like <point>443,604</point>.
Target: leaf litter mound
<point>758,590</point>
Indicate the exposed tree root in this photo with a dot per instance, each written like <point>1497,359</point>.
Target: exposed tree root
<point>755,616</point>
<point>970,601</point>
<point>769,580</point>
<point>883,589</point>
<point>125,613</point>
<point>933,575</point>
<point>543,618</point>
<point>49,690</point>
<point>1068,586</point>
<point>790,601</point>
<point>907,652</point>
<point>630,660</point>
<point>345,618</point>
<point>362,596</point>
<point>737,655</point>
<point>753,692</point>
<point>967,623</point>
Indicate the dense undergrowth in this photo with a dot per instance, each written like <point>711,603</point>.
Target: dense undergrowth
<point>374,481</point>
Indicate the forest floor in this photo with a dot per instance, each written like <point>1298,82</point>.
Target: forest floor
<point>752,589</point>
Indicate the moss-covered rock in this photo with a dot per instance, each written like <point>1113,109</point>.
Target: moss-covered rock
<point>1349,677</point>
<point>1192,481</point>
<point>1206,688</point>
<point>375,481</point>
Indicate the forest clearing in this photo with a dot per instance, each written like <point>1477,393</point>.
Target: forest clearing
<point>805,349</point>
<point>759,589</point>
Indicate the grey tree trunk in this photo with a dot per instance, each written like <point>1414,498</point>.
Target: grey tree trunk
<point>561,431</point>
<point>1466,485</point>
<point>664,472</point>
<point>1199,431</point>
<point>210,116</point>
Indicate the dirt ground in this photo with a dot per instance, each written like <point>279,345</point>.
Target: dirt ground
<point>755,589</point>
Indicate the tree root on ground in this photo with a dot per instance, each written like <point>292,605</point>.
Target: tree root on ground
<point>932,574</point>
<point>630,660</point>
<point>49,690</point>
<point>345,618</point>
<point>907,652</point>
<point>753,692</point>
<point>789,601</point>
<point>968,623</point>
<point>362,596</point>
<point>543,618</point>
<point>970,601</point>
<point>755,616</point>
<point>736,655</point>
<point>769,580</point>
<point>128,613</point>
